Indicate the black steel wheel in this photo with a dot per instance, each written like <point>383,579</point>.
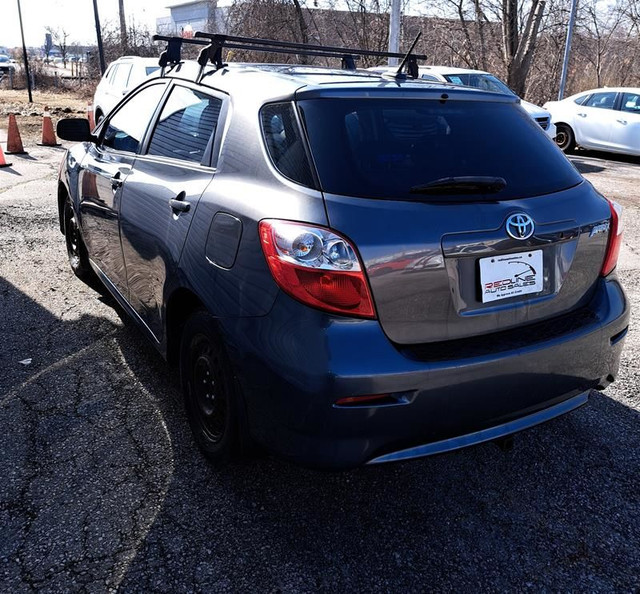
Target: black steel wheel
<point>565,138</point>
<point>76,250</point>
<point>212,399</point>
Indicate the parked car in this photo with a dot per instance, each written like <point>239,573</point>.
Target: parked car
<point>6,64</point>
<point>120,77</point>
<point>479,80</point>
<point>240,213</point>
<point>600,119</point>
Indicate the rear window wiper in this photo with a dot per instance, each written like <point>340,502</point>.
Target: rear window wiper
<point>471,184</point>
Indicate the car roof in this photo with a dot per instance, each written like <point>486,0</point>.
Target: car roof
<point>608,90</point>
<point>269,82</point>
<point>149,61</point>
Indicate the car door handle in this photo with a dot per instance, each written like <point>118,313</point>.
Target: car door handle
<point>178,204</point>
<point>582,115</point>
<point>623,122</point>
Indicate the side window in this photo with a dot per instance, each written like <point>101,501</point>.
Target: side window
<point>428,77</point>
<point>126,128</point>
<point>187,122</point>
<point>601,100</point>
<point>284,142</point>
<point>631,102</point>
<point>121,76</point>
<point>111,73</point>
<point>581,100</point>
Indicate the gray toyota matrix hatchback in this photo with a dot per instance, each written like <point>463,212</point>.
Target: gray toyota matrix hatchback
<point>347,267</point>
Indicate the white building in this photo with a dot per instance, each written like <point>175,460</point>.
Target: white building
<point>199,15</point>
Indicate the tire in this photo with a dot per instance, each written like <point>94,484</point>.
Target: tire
<point>76,250</point>
<point>565,139</point>
<point>213,400</point>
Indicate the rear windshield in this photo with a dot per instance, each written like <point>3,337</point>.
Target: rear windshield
<point>380,148</point>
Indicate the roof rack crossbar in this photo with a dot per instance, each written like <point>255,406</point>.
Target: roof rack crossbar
<point>277,50</point>
<point>250,42</point>
<point>212,51</point>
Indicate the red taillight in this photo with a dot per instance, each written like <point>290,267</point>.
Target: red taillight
<point>615,239</point>
<point>316,266</point>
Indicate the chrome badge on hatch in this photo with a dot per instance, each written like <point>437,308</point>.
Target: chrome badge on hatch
<point>520,226</point>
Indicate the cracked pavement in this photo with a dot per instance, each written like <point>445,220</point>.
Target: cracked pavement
<point>102,488</point>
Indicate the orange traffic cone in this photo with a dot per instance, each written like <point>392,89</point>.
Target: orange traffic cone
<point>48,135</point>
<point>92,121</point>
<point>14,142</point>
<point>3,161</point>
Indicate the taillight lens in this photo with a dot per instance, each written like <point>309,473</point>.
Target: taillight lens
<point>316,266</point>
<point>615,239</point>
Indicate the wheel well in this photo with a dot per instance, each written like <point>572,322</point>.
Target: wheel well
<point>181,305</point>
<point>62,198</point>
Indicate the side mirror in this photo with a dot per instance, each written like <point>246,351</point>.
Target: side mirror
<point>75,129</point>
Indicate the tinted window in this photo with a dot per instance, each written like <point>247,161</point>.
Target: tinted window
<point>151,69</point>
<point>428,77</point>
<point>631,102</point>
<point>284,142</point>
<point>128,125</point>
<point>186,124</point>
<point>601,100</point>
<point>380,148</point>
<point>580,100</point>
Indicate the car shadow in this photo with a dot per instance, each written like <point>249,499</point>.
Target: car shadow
<point>584,167</point>
<point>615,157</point>
<point>104,486</point>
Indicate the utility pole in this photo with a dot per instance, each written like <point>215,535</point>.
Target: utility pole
<point>24,53</point>
<point>103,66</point>
<point>567,49</point>
<point>123,26</point>
<point>394,31</point>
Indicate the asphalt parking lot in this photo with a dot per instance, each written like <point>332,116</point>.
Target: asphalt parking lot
<point>102,489</point>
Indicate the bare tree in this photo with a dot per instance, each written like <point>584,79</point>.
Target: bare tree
<point>60,39</point>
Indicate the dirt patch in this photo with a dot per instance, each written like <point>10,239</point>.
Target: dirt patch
<point>29,115</point>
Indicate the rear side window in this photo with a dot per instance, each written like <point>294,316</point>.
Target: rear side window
<point>126,128</point>
<point>380,148</point>
<point>121,76</point>
<point>601,100</point>
<point>284,142</point>
<point>187,122</point>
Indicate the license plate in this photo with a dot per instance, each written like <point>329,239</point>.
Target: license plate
<point>511,275</point>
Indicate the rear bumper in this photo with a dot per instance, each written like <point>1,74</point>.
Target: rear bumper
<point>296,362</point>
<point>484,435</point>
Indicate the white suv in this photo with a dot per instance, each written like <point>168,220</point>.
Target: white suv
<point>121,76</point>
<point>479,80</point>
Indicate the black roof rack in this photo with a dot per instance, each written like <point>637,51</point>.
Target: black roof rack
<point>212,51</point>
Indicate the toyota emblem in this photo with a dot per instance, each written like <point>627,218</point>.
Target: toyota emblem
<point>520,226</point>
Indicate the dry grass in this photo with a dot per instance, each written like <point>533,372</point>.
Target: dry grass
<point>29,115</point>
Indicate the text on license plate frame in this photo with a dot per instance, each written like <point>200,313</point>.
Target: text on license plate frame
<point>511,275</point>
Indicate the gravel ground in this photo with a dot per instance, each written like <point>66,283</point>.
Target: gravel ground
<point>102,488</point>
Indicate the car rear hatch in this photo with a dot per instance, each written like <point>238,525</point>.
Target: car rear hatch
<point>467,219</point>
